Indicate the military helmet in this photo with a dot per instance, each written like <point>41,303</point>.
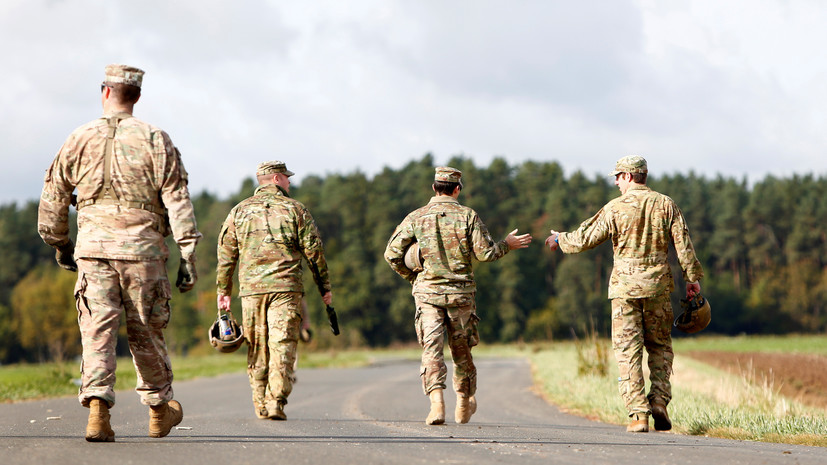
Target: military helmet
<point>413,258</point>
<point>225,333</point>
<point>696,314</point>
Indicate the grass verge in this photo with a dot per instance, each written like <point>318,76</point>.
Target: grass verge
<point>37,381</point>
<point>706,401</point>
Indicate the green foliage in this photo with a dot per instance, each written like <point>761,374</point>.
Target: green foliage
<point>45,316</point>
<point>763,248</point>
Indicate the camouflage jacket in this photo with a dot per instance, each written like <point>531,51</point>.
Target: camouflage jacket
<point>641,224</point>
<point>449,236</point>
<point>267,235</point>
<point>145,168</point>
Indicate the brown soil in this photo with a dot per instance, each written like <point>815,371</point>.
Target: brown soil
<point>801,377</point>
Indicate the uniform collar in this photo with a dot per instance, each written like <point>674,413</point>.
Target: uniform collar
<point>443,199</point>
<point>638,187</point>
<point>118,114</point>
<point>271,189</point>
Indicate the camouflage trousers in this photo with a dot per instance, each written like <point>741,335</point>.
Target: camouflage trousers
<point>271,327</point>
<point>638,324</point>
<point>454,315</point>
<point>140,290</point>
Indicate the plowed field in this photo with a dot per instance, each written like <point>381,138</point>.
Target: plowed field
<point>800,377</point>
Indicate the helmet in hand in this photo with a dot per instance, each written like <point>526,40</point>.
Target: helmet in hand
<point>225,333</point>
<point>696,314</point>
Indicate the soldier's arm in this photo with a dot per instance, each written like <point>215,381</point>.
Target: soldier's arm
<point>485,249</point>
<point>227,257</point>
<point>175,196</point>
<point>692,271</point>
<point>399,242</point>
<point>53,210</point>
<point>591,233</point>
<point>313,250</point>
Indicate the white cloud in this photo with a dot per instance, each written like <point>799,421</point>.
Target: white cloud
<point>736,87</point>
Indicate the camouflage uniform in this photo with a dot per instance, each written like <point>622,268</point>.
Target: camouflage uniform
<point>641,224</point>
<point>449,236</point>
<point>120,250</point>
<point>267,235</point>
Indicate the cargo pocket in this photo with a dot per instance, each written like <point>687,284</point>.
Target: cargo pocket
<point>160,308</point>
<point>80,296</point>
<point>418,326</point>
<point>623,388</point>
<point>473,333</point>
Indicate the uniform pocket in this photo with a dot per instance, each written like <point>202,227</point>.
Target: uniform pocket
<point>80,295</point>
<point>418,326</point>
<point>160,308</point>
<point>473,333</point>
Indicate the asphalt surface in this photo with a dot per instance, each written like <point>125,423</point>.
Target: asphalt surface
<point>372,415</point>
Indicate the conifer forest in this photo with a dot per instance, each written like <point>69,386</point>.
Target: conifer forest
<point>763,246</point>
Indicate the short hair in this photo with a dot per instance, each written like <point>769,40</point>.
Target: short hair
<point>445,187</point>
<point>265,178</point>
<point>125,93</point>
<point>639,178</point>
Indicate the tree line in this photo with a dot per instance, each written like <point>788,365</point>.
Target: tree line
<point>763,248</point>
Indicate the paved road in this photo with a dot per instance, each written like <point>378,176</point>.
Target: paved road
<point>371,415</point>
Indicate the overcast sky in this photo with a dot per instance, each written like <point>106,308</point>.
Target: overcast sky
<point>731,87</point>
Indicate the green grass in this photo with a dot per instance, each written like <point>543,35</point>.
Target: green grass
<point>35,381</point>
<point>706,401</point>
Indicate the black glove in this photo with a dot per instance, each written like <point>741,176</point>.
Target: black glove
<point>334,321</point>
<point>64,256</point>
<point>306,335</point>
<point>186,276</point>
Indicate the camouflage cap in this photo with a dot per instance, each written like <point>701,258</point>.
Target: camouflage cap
<point>272,167</point>
<point>448,174</point>
<point>630,164</point>
<point>123,74</point>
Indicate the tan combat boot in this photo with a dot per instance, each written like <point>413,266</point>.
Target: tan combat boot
<point>466,406</point>
<point>163,417</point>
<point>261,411</point>
<point>278,412</point>
<point>437,414</point>
<point>660,415</point>
<point>639,423</point>
<point>98,428</point>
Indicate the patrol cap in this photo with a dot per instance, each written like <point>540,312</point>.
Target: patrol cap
<point>123,74</point>
<point>272,167</point>
<point>448,174</point>
<point>630,164</point>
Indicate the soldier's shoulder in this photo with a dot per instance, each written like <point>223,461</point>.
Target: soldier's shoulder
<point>92,126</point>
<point>248,202</point>
<point>664,197</point>
<point>424,210</point>
<point>146,127</point>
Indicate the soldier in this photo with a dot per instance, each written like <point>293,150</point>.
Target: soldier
<point>266,236</point>
<point>131,191</point>
<point>641,224</point>
<point>448,235</point>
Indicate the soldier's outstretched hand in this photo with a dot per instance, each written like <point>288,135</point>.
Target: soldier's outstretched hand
<point>551,241</point>
<point>517,242</point>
